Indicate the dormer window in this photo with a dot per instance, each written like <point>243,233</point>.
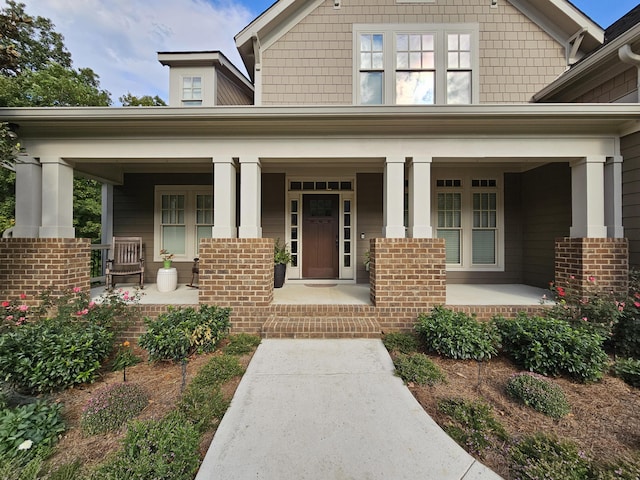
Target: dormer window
<point>191,91</point>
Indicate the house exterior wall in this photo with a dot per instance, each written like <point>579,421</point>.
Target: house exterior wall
<point>313,62</point>
<point>546,215</point>
<point>369,217</point>
<point>630,149</point>
<point>273,205</point>
<point>613,89</point>
<point>133,207</point>
<point>228,92</point>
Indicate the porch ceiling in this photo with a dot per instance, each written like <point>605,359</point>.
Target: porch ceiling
<point>338,121</point>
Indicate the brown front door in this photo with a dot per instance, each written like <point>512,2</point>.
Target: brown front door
<point>320,236</point>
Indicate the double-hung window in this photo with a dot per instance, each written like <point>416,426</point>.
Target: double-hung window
<point>468,216</point>
<point>183,216</point>
<point>416,64</point>
<point>191,91</point>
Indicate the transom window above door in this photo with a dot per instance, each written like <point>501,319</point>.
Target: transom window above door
<point>415,64</point>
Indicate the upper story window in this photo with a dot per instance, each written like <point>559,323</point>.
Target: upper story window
<point>416,64</point>
<point>191,91</point>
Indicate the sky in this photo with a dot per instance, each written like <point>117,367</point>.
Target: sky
<point>119,39</point>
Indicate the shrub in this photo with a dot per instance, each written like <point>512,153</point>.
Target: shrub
<point>400,342</point>
<point>628,370</point>
<point>27,430</point>
<point>457,335</point>
<point>166,449</point>
<point>112,406</point>
<point>241,344</point>
<point>417,368</point>
<point>541,456</point>
<point>626,335</point>
<point>552,347</point>
<point>181,332</point>
<point>619,469</point>
<point>473,425</point>
<point>539,393</point>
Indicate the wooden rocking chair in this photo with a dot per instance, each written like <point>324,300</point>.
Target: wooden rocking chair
<point>127,260</point>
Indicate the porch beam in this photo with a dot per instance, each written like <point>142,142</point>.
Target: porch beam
<point>420,198</point>
<point>250,197</point>
<point>613,197</point>
<point>587,198</point>
<point>224,198</point>
<point>393,201</point>
<point>28,198</point>
<point>57,198</point>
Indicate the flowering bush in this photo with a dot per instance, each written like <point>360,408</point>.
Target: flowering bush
<point>543,457</point>
<point>417,368</point>
<point>589,306</point>
<point>42,354</point>
<point>112,406</point>
<point>539,393</point>
<point>15,312</point>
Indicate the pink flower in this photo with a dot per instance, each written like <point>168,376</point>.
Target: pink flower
<point>585,319</point>
<point>77,289</point>
<point>5,304</point>
<point>592,279</point>
<point>572,277</point>
<point>92,304</point>
<point>23,296</point>
<point>636,304</point>
<point>126,296</point>
<point>23,308</point>
<point>10,317</point>
<point>82,312</point>
<point>20,321</point>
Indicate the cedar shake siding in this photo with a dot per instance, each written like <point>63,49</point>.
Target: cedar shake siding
<point>546,216</point>
<point>630,147</point>
<point>133,207</point>
<point>312,63</point>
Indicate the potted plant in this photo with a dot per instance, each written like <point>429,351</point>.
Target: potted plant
<point>281,258</point>
<point>367,260</point>
<point>166,258</point>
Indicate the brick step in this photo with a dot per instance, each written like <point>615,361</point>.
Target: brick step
<point>321,327</point>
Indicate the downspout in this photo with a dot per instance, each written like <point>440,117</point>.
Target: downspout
<point>627,56</point>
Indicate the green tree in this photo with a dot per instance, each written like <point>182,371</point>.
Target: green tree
<point>36,71</point>
<point>130,100</point>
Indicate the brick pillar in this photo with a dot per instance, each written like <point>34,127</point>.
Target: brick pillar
<point>31,265</point>
<point>606,259</point>
<point>408,273</point>
<point>238,273</point>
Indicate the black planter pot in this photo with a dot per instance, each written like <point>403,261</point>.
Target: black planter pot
<point>280,269</point>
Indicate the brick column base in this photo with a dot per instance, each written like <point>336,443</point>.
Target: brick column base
<point>408,273</point>
<point>236,272</point>
<point>606,259</point>
<point>31,265</point>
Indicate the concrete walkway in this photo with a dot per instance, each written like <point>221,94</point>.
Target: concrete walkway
<point>330,409</point>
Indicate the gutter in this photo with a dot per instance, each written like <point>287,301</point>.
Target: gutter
<point>627,56</point>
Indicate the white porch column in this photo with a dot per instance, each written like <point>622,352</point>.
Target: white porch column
<point>250,198</point>
<point>224,198</point>
<point>107,213</point>
<point>57,198</point>
<point>28,198</point>
<point>420,198</point>
<point>587,198</point>
<point>393,202</point>
<point>613,197</point>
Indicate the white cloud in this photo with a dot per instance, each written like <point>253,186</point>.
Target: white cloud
<point>119,39</point>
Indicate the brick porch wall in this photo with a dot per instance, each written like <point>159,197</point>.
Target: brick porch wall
<point>606,259</point>
<point>407,276</point>
<point>238,273</point>
<point>31,265</point>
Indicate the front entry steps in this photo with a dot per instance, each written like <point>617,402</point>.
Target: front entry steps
<point>322,321</point>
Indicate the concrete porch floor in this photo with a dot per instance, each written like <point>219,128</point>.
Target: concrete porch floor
<point>352,294</point>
